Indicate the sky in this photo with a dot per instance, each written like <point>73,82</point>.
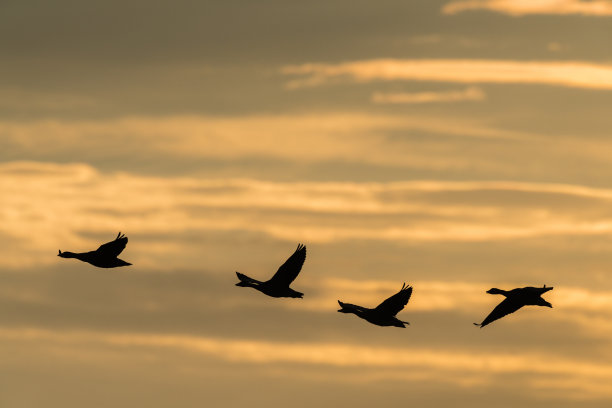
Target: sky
<point>455,145</point>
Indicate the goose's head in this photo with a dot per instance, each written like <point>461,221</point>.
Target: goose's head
<point>343,308</point>
<point>65,254</point>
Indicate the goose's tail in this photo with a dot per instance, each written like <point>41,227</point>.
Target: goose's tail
<point>245,280</point>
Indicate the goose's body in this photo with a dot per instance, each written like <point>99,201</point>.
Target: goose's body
<point>278,285</point>
<point>383,314</point>
<point>103,257</point>
<point>515,299</point>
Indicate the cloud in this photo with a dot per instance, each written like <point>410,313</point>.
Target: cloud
<point>519,8</point>
<point>295,136</point>
<point>28,100</point>
<point>334,145</point>
<point>536,369</point>
<point>46,204</point>
<point>298,138</point>
<point>186,296</point>
<point>576,74</point>
<point>555,47</point>
<point>317,146</point>
<point>468,94</point>
<point>430,39</point>
<point>590,309</point>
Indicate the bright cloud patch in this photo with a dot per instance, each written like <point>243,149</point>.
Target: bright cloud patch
<point>48,203</point>
<point>468,94</point>
<point>524,7</point>
<point>452,366</point>
<point>576,74</point>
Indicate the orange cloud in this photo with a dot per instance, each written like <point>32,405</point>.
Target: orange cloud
<point>299,137</point>
<point>575,74</point>
<point>590,309</point>
<point>45,204</point>
<point>523,7</point>
<point>468,94</point>
<point>537,369</point>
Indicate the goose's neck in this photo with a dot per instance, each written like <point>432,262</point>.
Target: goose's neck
<point>496,291</point>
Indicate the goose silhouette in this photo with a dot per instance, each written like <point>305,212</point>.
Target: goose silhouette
<point>103,257</point>
<point>515,299</point>
<point>383,314</point>
<point>278,285</point>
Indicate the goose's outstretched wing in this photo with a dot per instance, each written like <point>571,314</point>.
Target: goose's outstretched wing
<point>113,248</point>
<point>395,303</point>
<point>291,268</point>
<point>507,306</point>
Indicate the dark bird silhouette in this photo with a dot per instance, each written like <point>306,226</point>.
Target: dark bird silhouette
<point>383,314</point>
<point>515,299</point>
<point>278,285</point>
<point>103,257</point>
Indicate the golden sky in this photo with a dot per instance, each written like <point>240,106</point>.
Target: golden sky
<point>456,145</point>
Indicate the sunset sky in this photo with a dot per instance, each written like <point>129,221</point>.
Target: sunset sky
<point>454,145</point>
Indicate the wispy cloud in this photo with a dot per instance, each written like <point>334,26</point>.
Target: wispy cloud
<point>468,94</point>
<point>591,310</point>
<point>49,203</point>
<point>325,145</point>
<point>24,100</point>
<point>523,7</point>
<point>439,39</point>
<point>576,74</point>
<point>299,137</point>
<point>554,47</point>
<point>443,364</point>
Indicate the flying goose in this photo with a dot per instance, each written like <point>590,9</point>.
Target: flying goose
<point>278,285</point>
<point>383,314</point>
<point>515,299</point>
<point>103,257</point>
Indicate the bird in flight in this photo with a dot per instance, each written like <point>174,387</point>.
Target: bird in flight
<point>278,285</point>
<point>383,314</point>
<point>515,299</point>
<point>103,257</point>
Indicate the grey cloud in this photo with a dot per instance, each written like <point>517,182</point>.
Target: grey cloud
<point>243,31</point>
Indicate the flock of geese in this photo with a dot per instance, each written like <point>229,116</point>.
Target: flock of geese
<point>106,256</point>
